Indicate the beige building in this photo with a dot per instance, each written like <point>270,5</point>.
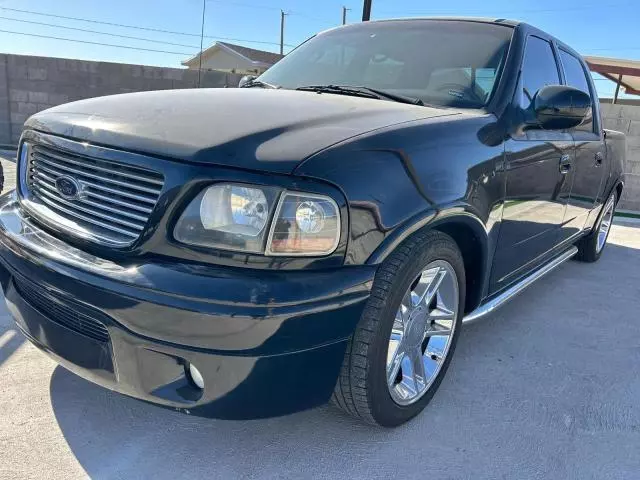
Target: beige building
<point>231,58</point>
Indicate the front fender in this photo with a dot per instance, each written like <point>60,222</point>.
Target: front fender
<point>400,179</point>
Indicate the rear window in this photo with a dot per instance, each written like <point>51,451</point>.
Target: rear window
<point>576,77</point>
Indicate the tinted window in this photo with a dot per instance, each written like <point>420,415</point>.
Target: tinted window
<point>441,62</point>
<point>576,77</point>
<point>538,69</point>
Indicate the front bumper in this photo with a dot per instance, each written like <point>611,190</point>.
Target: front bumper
<point>267,343</point>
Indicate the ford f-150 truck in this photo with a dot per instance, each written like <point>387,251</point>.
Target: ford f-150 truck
<point>321,233</point>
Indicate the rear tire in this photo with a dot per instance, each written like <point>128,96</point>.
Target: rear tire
<point>590,247</point>
<point>429,261</point>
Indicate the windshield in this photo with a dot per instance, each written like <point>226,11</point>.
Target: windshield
<point>448,63</point>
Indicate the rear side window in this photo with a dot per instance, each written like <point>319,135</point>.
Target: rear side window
<point>539,69</point>
<point>576,77</point>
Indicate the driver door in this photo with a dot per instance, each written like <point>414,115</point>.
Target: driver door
<point>538,178</point>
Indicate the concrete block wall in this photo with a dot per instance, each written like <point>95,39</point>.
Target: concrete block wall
<point>626,119</point>
<point>29,84</point>
<point>5,114</point>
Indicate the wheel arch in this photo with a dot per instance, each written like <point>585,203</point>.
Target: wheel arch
<point>618,187</point>
<point>469,234</point>
<point>471,239</point>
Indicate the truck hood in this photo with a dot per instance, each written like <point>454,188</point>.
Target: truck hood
<point>258,129</point>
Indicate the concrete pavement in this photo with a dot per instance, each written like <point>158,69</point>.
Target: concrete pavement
<point>545,388</point>
<point>9,170</point>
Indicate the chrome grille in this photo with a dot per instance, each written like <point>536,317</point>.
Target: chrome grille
<point>115,200</point>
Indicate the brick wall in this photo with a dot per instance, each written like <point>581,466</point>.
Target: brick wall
<point>626,119</point>
<point>29,84</point>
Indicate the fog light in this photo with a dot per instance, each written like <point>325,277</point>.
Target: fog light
<point>196,376</point>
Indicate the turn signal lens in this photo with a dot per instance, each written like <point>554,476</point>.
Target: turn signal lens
<point>304,225</point>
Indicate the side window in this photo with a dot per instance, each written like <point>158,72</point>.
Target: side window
<point>576,77</point>
<point>538,69</point>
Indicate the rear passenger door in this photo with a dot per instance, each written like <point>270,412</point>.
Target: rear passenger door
<point>590,162</point>
<point>538,164</point>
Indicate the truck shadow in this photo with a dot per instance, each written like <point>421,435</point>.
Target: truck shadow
<point>10,341</point>
<point>519,378</point>
<point>10,337</point>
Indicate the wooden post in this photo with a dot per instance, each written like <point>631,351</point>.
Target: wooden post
<point>615,97</point>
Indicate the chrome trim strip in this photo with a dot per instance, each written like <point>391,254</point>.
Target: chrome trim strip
<point>37,149</point>
<point>39,183</point>
<point>49,217</point>
<point>117,201</point>
<point>511,292</point>
<point>50,166</point>
<point>122,193</point>
<point>60,204</point>
<point>68,223</point>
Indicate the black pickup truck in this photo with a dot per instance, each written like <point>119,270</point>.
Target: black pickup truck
<point>319,234</point>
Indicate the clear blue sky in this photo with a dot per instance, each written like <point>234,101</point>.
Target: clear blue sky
<point>605,28</point>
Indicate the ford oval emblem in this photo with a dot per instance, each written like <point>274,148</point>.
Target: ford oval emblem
<point>68,187</point>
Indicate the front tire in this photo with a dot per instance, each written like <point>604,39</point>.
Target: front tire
<point>404,342</point>
<point>590,247</point>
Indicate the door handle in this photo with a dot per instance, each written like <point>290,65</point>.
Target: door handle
<point>565,164</point>
<point>599,158</point>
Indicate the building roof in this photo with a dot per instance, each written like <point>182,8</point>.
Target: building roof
<point>625,72</point>
<point>258,57</point>
<point>255,55</point>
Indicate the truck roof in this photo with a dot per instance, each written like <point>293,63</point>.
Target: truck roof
<point>500,21</point>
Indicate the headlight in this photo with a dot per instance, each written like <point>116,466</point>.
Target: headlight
<point>228,216</point>
<point>242,217</point>
<point>304,224</point>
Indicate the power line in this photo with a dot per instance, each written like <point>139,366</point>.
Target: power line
<point>100,22</point>
<point>267,7</point>
<point>248,5</point>
<point>94,43</point>
<point>137,27</point>
<point>96,32</point>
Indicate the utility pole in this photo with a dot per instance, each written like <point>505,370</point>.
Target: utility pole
<point>344,15</point>
<point>204,6</point>
<point>282,15</point>
<point>366,10</point>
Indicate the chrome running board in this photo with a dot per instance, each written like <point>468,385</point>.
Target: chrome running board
<point>511,292</point>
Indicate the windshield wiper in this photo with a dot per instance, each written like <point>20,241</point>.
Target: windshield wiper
<point>362,91</point>
<point>258,83</point>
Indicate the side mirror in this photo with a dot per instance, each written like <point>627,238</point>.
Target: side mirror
<point>558,107</point>
<point>246,79</point>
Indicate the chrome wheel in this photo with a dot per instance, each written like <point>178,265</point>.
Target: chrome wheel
<point>605,223</point>
<point>422,332</point>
